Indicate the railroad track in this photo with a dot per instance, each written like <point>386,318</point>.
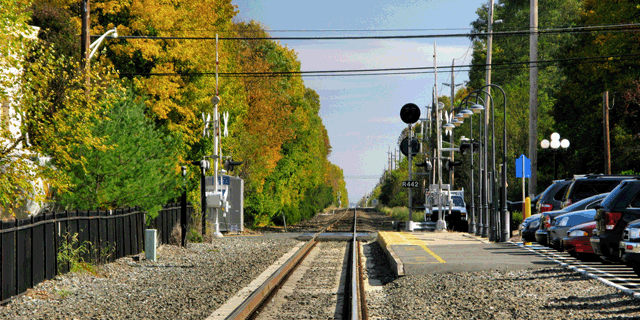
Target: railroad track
<point>617,275</point>
<point>321,280</point>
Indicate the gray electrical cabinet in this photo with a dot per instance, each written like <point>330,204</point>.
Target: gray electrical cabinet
<point>231,221</point>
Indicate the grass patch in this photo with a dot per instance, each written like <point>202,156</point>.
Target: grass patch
<point>402,213</point>
<point>516,218</point>
<point>73,254</point>
<point>63,293</point>
<point>194,236</point>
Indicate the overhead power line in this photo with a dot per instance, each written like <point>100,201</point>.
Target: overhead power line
<point>396,71</point>
<point>320,30</point>
<point>631,27</point>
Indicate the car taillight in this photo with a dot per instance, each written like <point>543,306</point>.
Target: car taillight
<point>546,207</point>
<point>611,219</point>
<point>547,222</point>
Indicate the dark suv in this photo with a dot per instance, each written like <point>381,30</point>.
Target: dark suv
<point>614,213</point>
<point>551,198</point>
<point>589,185</point>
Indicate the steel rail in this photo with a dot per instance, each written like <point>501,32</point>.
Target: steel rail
<point>354,271</point>
<point>260,296</point>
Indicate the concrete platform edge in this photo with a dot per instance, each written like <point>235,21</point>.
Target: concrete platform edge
<point>394,260</point>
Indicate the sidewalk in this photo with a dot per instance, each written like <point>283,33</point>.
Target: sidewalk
<point>421,253</point>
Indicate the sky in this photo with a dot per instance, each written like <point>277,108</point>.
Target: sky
<point>362,113</point>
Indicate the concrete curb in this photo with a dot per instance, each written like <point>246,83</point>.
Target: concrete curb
<point>392,257</point>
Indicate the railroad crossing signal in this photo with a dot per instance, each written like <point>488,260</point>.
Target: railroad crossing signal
<point>404,147</point>
<point>410,113</point>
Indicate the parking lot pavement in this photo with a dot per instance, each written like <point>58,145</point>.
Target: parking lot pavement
<point>421,253</point>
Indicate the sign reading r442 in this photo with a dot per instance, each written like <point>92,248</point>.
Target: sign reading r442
<point>410,184</point>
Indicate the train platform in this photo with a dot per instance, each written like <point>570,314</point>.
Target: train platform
<point>421,253</point>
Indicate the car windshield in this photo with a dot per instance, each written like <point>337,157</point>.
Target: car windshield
<point>457,201</point>
<point>584,202</point>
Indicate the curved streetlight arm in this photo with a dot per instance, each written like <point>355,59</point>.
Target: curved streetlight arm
<point>465,100</point>
<point>94,46</point>
<point>505,230</point>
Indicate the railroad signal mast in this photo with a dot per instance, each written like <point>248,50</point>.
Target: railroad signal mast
<point>410,114</point>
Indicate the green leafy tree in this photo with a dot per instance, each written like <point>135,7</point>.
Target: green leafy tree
<point>511,71</point>
<point>139,166</point>
<point>17,171</point>
<point>580,101</point>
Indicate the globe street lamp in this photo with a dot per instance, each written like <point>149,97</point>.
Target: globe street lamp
<point>555,143</point>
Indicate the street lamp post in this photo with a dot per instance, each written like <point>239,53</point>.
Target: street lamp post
<point>94,46</point>
<point>504,220</point>
<point>555,143</point>
<point>466,113</point>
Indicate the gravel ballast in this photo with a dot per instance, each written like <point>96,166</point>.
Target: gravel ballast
<point>539,293</point>
<point>192,283</point>
<point>181,284</point>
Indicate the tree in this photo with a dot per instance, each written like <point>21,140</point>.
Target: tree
<point>580,100</point>
<point>139,166</point>
<point>17,171</point>
<point>274,128</point>
<point>510,71</point>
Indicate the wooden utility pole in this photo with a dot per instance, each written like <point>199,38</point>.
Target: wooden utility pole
<point>533,98</point>
<point>85,43</point>
<point>485,160</point>
<point>452,106</point>
<point>607,141</point>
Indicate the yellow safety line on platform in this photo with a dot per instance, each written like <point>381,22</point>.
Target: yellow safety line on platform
<point>408,238</point>
<point>415,241</point>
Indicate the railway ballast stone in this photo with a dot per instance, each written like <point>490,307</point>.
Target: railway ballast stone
<point>182,284</point>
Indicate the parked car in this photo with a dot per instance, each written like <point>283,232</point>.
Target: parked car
<point>542,235</point>
<point>562,223</point>
<point>577,241</point>
<point>630,245</point>
<point>528,228</point>
<point>589,185</point>
<point>616,211</point>
<point>551,198</point>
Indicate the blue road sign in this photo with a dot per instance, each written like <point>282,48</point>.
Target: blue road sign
<point>523,166</point>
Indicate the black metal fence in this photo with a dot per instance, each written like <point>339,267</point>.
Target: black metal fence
<point>167,220</point>
<point>29,247</point>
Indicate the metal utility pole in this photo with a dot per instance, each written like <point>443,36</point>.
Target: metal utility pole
<point>216,139</point>
<point>607,141</point>
<point>409,158</point>
<point>533,98</point>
